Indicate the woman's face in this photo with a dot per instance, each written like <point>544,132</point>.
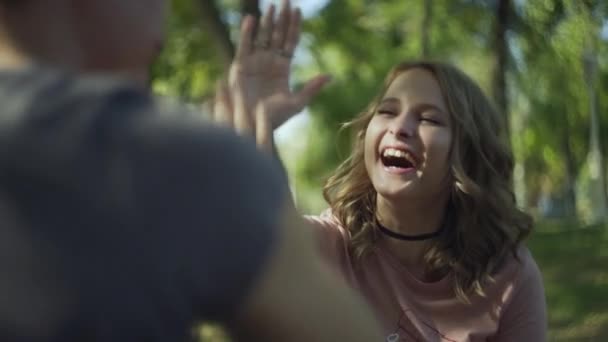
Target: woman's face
<point>408,140</point>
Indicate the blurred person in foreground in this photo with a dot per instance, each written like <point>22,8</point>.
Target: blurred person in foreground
<point>118,223</point>
<point>422,219</point>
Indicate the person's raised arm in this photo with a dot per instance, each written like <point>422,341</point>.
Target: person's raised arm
<point>261,68</point>
<point>258,90</point>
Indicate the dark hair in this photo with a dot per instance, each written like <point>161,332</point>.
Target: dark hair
<point>11,3</point>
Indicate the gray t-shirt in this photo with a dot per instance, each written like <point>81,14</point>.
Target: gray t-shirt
<point>136,224</point>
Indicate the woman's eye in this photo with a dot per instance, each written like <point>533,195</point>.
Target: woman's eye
<point>386,112</point>
<point>430,120</point>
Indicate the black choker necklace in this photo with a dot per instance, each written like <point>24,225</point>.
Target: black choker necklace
<point>404,237</point>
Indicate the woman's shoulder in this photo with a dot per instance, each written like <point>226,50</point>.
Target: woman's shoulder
<point>519,265</point>
<point>327,222</point>
<point>522,305</point>
<point>519,277</point>
<point>333,237</point>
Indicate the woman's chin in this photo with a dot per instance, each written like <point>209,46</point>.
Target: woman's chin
<point>404,190</point>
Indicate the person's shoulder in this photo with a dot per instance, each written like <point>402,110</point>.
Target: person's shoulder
<point>521,264</point>
<point>518,274</point>
<point>107,98</point>
<point>333,238</point>
<point>529,273</point>
<point>128,111</point>
<point>50,100</point>
<point>326,217</point>
<point>327,222</point>
<point>183,138</point>
<point>517,267</point>
<point>520,298</point>
<point>53,87</point>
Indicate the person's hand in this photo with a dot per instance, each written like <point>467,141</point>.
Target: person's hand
<point>260,70</point>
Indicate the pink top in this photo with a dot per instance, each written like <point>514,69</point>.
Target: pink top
<point>411,310</point>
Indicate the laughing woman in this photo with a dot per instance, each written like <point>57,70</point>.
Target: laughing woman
<point>422,219</point>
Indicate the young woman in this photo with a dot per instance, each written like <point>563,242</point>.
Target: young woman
<point>422,219</point>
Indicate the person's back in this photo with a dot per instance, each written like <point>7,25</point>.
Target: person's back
<point>134,225</point>
<point>130,211</point>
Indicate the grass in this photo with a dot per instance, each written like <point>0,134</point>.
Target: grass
<point>574,263</point>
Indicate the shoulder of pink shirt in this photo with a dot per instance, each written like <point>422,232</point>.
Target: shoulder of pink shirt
<point>517,286</point>
<point>519,273</point>
<point>332,237</point>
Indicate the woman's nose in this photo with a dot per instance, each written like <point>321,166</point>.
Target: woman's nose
<point>403,125</point>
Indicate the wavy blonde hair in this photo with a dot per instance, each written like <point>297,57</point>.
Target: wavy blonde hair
<point>485,222</point>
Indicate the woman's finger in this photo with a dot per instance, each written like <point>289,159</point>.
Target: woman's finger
<point>303,97</point>
<point>293,32</point>
<point>245,46</point>
<point>266,28</point>
<point>281,26</point>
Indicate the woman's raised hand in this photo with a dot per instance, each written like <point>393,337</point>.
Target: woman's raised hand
<point>261,68</point>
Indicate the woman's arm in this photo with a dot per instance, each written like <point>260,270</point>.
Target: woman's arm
<point>257,97</point>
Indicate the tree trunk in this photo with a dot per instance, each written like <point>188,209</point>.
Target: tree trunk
<point>211,20</point>
<point>595,158</point>
<point>570,191</point>
<point>518,123</point>
<point>425,28</point>
<point>501,51</point>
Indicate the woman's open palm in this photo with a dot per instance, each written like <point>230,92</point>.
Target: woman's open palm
<point>261,68</point>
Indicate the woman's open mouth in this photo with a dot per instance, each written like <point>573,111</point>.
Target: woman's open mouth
<point>398,161</point>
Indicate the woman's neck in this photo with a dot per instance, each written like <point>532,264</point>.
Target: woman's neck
<point>410,218</point>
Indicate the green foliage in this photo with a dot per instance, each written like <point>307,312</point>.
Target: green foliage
<point>550,77</point>
<point>189,64</point>
<point>359,41</point>
<point>359,55</point>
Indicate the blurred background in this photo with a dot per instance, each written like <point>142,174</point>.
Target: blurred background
<point>543,62</point>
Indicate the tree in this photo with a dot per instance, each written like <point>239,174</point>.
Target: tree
<point>425,28</point>
<point>211,21</point>
<point>198,47</point>
<point>526,54</point>
<point>501,51</point>
<point>595,160</point>
<point>359,56</point>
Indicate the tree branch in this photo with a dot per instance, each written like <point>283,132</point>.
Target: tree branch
<point>501,51</point>
<point>211,21</point>
<point>251,7</point>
